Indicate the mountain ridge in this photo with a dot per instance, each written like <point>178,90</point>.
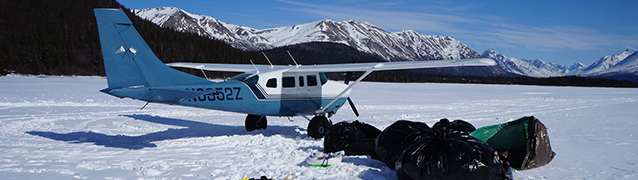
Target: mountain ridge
<point>606,62</point>
<point>626,69</point>
<point>391,46</point>
<point>622,66</point>
<point>532,68</point>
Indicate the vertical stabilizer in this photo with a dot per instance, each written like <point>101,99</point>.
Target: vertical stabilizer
<point>128,60</point>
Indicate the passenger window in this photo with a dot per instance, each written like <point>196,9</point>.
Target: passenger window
<point>288,82</point>
<point>272,83</point>
<point>301,83</point>
<point>312,80</point>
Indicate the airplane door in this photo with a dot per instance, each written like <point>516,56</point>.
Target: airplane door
<point>301,92</point>
<point>292,101</point>
<point>312,91</point>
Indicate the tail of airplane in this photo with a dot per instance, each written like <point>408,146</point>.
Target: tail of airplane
<point>128,60</point>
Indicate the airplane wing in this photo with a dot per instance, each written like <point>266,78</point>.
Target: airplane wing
<point>383,66</point>
<point>219,67</point>
<point>348,67</point>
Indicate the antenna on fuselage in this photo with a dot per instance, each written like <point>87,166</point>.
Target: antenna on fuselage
<point>271,66</point>
<point>251,62</point>
<point>293,59</point>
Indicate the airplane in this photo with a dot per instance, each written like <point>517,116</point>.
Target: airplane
<point>133,71</point>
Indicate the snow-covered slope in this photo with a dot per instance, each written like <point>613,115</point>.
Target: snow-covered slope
<point>627,65</point>
<point>574,69</point>
<point>627,69</point>
<point>63,128</point>
<point>605,62</point>
<point>363,36</point>
<point>533,68</point>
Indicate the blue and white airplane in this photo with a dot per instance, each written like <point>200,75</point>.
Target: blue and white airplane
<point>133,71</point>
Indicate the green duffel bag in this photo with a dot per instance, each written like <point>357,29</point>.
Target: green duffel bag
<point>524,142</point>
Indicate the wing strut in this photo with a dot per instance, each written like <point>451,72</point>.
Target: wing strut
<point>293,59</point>
<point>271,66</point>
<point>348,88</point>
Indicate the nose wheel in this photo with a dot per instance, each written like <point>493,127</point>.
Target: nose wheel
<point>256,122</point>
<point>318,127</point>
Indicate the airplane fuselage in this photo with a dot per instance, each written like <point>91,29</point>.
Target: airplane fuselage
<point>239,96</point>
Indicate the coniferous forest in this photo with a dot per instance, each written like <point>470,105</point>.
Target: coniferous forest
<point>59,37</point>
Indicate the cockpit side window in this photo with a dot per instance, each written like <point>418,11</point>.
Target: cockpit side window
<point>323,78</point>
<point>251,79</point>
<point>272,83</point>
<point>288,82</point>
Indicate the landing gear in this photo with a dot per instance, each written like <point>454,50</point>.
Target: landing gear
<point>256,122</point>
<point>318,127</point>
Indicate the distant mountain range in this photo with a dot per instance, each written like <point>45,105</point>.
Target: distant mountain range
<point>406,45</point>
<point>532,68</point>
<point>605,63</point>
<point>622,66</point>
<point>391,46</point>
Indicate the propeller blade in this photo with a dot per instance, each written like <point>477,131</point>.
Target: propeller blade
<point>348,77</point>
<point>354,109</point>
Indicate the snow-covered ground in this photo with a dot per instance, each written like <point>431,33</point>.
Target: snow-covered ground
<point>63,128</point>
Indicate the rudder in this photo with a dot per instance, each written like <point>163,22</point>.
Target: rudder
<point>128,60</point>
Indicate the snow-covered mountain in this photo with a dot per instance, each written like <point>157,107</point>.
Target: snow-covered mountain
<point>574,69</point>
<point>626,69</point>
<point>533,68</point>
<point>363,36</point>
<point>629,64</point>
<point>623,66</point>
<point>605,63</point>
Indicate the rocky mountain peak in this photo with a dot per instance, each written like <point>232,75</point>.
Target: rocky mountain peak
<point>363,36</point>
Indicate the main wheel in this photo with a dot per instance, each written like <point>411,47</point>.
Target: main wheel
<point>318,126</point>
<point>256,122</point>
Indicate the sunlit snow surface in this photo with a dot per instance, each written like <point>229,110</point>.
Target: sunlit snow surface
<point>63,128</point>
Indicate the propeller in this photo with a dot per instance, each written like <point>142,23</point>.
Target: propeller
<point>354,109</point>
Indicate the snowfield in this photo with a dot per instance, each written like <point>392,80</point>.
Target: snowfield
<point>64,128</point>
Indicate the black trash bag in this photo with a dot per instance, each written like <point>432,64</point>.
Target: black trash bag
<point>456,125</point>
<point>397,137</point>
<point>354,138</point>
<point>450,153</point>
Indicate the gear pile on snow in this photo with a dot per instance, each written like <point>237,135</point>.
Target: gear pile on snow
<point>448,150</point>
<point>354,138</point>
<point>445,151</point>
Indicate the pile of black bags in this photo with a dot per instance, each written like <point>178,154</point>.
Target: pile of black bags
<point>354,138</point>
<point>447,150</point>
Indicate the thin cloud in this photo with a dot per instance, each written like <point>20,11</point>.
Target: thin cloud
<point>487,29</point>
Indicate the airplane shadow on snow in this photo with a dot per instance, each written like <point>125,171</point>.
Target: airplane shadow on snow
<point>192,129</point>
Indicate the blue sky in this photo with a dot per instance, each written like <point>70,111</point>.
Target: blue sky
<point>561,32</point>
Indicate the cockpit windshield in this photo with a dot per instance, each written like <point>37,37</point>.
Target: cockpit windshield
<point>246,77</point>
<point>240,77</point>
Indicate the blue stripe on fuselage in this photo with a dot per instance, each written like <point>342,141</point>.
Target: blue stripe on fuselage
<point>236,96</point>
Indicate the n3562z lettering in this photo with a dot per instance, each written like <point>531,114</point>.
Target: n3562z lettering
<point>218,94</point>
